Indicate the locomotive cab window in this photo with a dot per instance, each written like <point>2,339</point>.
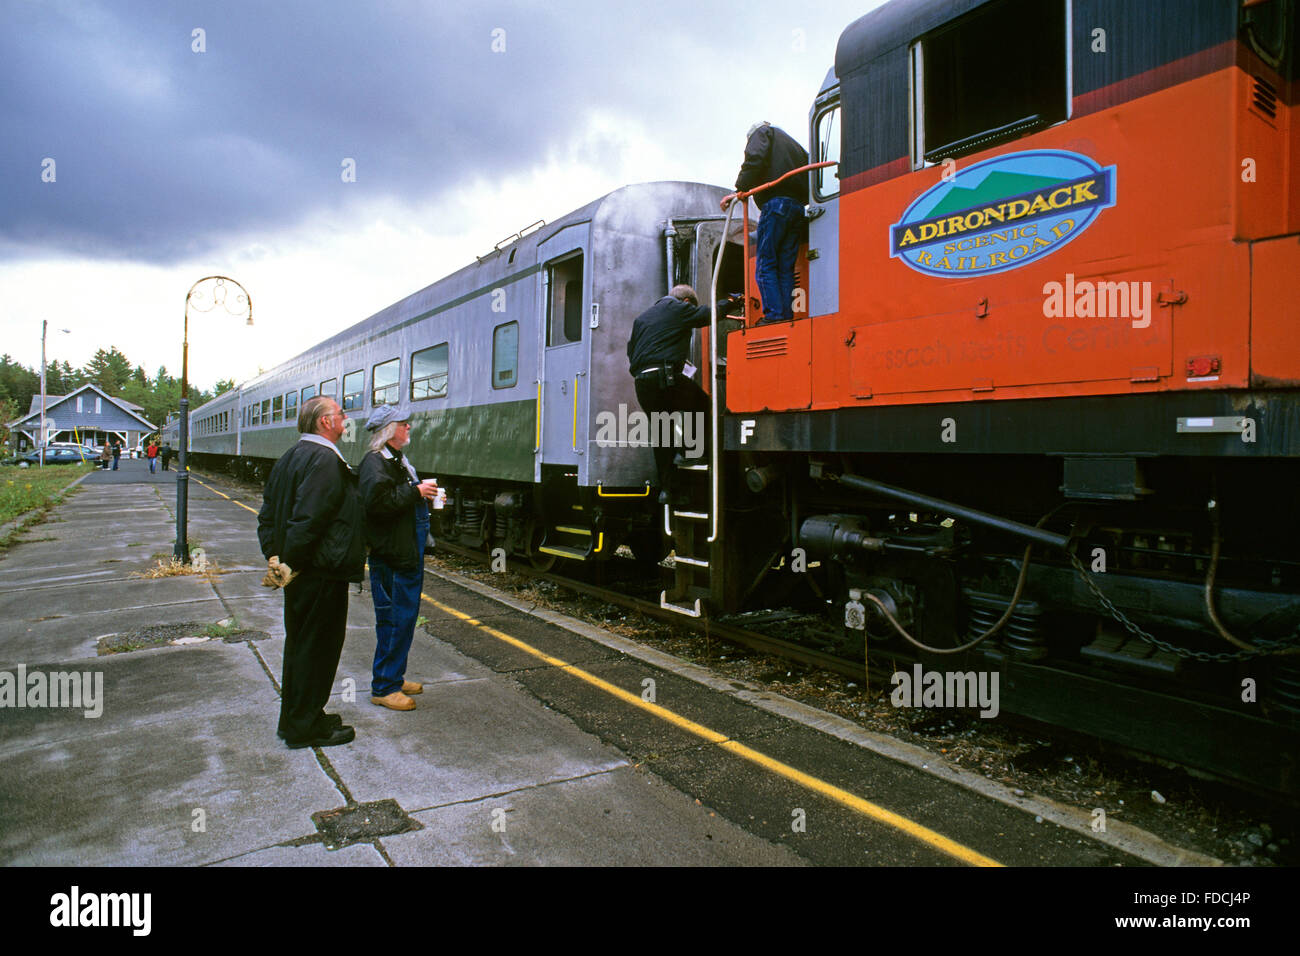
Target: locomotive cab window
<point>429,373</point>
<point>826,130</point>
<point>354,383</point>
<point>505,355</point>
<point>384,382</point>
<point>563,302</point>
<point>966,98</point>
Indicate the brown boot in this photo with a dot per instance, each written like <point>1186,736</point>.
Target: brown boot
<point>412,687</point>
<point>394,701</point>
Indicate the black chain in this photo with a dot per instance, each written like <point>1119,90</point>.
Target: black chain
<point>1262,647</point>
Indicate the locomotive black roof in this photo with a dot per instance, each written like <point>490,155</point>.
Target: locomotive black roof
<point>892,26</point>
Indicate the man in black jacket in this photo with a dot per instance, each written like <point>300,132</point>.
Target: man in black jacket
<point>311,533</point>
<point>656,354</point>
<point>770,153</point>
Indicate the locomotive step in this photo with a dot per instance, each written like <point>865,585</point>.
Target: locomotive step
<point>688,610</point>
<point>560,551</point>
<point>694,562</point>
<point>570,529</point>
<point>691,515</point>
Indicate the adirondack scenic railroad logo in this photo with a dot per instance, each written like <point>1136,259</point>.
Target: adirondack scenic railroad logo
<point>1003,213</point>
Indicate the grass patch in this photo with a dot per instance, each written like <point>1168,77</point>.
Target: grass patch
<point>26,489</point>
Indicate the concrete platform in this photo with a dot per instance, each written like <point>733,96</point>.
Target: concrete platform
<point>182,767</point>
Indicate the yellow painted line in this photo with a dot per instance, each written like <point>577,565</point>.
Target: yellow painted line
<point>829,790</point>
<point>227,497</point>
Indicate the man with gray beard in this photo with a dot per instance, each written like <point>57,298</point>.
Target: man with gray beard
<point>311,533</point>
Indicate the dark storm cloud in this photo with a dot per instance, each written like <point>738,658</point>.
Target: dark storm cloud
<point>161,152</point>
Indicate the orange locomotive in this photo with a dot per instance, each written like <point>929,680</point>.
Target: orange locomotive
<point>1041,396</point>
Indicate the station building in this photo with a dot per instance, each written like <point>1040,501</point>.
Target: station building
<point>88,415</point>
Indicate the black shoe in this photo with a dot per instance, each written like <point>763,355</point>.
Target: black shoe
<point>326,723</point>
<point>326,738</point>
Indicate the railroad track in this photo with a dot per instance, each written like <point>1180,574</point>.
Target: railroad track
<point>763,643</point>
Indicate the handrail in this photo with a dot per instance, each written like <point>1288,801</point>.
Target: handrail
<point>743,197</point>
<point>538,446</point>
<point>575,413</point>
<point>601,493</point>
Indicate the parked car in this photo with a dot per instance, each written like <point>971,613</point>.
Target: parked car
<point>55,456</point>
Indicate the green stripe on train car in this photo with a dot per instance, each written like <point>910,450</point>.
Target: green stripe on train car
<point>488,441</point>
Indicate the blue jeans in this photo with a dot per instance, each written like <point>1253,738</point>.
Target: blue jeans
<point>396,596</point>
<point>780,230</point>
<point>152,462</point>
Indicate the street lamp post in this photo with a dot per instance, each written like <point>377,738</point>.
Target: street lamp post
<point>218,297</point>
<point>45,324</point>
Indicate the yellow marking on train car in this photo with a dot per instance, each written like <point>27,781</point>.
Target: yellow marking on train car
<point>227,497</point>
<point>828,790</point>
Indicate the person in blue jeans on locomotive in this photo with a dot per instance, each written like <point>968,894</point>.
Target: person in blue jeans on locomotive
<point>770,153</point>
<point>397,524</point>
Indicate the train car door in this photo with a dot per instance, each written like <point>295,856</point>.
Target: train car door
<point>565,385</point>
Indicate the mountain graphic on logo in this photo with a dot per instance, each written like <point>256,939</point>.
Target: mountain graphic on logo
<point>996,186</point>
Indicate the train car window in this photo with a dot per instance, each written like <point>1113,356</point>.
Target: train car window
<point>505,355</point>
<point>277,408</point>
<point>384,382</point>
<point>354,384</point>
<point>962,106</point>
<point>329,388</point>
<point>291,407</point>
<point>255,415</point>
<point>308,392</point>
<point>429,373</point>
<point>826,181</point>
<point>266,411</point>
<point>564,303</point>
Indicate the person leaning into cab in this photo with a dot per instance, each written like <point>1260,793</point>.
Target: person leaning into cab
<point>397,524</point>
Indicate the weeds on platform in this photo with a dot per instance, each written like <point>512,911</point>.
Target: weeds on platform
<point>173,567</point>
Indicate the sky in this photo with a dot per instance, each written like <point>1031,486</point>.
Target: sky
<point>333,158</point>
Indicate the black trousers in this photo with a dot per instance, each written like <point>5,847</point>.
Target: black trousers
<point>315,623</point>
<point>682,396</point>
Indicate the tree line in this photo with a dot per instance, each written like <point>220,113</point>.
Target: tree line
<point>159,396</point>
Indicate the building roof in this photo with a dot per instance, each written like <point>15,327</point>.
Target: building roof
<point>51,401</point>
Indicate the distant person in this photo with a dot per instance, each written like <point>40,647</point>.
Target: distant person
<point>310,532</point>
<point>769,154</point>
<point>117,452</point>
<point>656,355</point>
<point>397,524</point>
<point>152,454</point>
<point>165,453</point>
<point>105,456</point>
